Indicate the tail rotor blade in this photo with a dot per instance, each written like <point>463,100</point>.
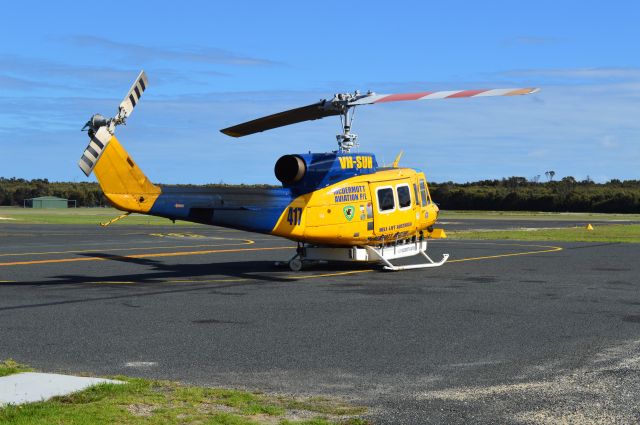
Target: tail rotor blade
<point>131,99</point>
<point>97,143</point>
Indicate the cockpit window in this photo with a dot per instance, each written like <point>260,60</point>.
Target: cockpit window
<point>423,193</point>
<point>404,196</point>
<point>386,202</point>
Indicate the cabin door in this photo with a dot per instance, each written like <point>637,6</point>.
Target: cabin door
<point>393,208</point>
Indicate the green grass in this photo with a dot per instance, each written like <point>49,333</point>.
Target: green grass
<point>9,367</point>
<point>78,216</point>
<point>629,233</point>
<point>97,215</point>
<point>534,215</point>
<point>142,401</point>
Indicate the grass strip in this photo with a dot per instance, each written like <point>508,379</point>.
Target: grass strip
<point>142,401</point>
<point>625,233</point>
<point>9,367</point>
<point>534,215</point>
<point>94,216</point>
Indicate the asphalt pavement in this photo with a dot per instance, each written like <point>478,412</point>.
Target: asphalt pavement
<point>505,332</point>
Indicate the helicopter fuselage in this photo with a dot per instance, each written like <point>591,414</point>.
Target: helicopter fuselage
<point>343,199</point>
<point>339,199</point>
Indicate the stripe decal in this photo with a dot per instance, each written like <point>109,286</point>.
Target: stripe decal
<point>93,150</point>
<point>98,143</point>
<point>405,96</point>
<point>133,96</point>
<point>467,93</point>
<point>87,160</point>
<point>448,94</point>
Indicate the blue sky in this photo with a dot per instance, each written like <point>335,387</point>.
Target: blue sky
<point>215,64</point>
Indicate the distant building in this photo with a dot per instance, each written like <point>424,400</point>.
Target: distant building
<point>47,202</point>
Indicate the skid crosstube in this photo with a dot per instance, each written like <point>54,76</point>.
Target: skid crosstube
<point>383,254</point>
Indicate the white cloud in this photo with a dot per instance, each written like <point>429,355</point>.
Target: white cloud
<point>137,53</point>
<point>574,129</point>
<point>578,73</point>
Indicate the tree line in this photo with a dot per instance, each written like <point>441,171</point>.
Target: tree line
<point>507,194</point>
<point>519,194</point>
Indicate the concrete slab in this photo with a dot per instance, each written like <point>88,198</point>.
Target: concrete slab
<point>29,387</point>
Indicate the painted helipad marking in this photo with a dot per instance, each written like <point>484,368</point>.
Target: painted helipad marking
<point>141,364</point>
<point>29,387</point>
<point>487,257</point>
<point>330,274</point>
<point>113,282</point>
<point>187,235</point>
<point>148,255</point>
<point>204,281</point>
<point>513,254</point>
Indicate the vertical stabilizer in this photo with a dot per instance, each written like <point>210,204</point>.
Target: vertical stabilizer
<point>122,181</point>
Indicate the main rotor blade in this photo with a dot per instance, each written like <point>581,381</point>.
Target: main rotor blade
<point>131,99</point>
<point>430,95</point>
<point>306,113</point>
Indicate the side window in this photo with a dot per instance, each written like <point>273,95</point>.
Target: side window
<point>423,193</point>
<point>415,193</point>
<point>386,201</point>
<point>404,196</point>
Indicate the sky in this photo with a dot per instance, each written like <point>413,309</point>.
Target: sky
<point>215,64</point>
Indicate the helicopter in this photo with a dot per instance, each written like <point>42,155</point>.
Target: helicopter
<point>337,206</point>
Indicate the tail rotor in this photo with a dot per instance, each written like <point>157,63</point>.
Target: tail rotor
<point>101,129</point>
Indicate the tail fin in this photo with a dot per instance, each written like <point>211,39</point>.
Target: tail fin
<point>122,181</point>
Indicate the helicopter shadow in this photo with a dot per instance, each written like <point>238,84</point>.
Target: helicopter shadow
<point>159,272</point>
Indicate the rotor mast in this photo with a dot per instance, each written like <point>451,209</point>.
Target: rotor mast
<point>347,140</point>
<point>342,103</point>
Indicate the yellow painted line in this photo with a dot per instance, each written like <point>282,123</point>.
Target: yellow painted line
<point>204,281</point>
<point>110,282</point>
<point>487,257</point>
<point>330,274</point>
<point>21,254</point>
<point>7,281</point>
<point>149,255</point>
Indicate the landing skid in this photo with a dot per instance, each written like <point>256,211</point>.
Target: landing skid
<point>372,254</point>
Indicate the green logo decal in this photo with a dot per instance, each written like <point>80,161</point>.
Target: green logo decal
<point>349,211</point>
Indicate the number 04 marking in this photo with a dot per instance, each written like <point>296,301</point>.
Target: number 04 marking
<point>295,216</point>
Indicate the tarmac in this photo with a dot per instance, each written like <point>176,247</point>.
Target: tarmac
<point>504,332</point>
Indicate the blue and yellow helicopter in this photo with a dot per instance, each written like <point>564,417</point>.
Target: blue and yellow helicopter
<point>338,206</point>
